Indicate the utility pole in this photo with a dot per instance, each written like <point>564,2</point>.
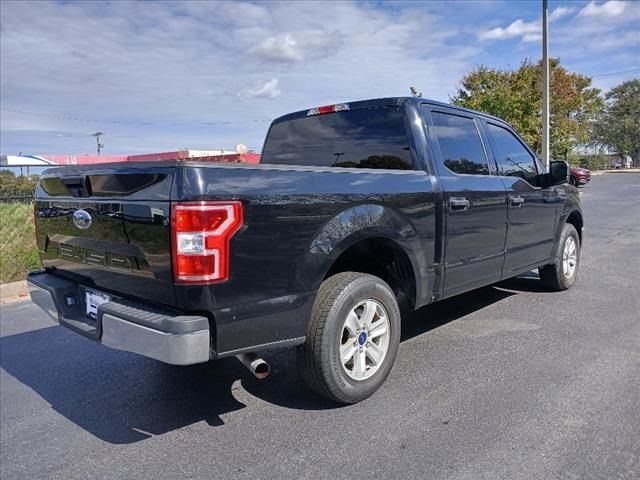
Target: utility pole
<point>98,144</point>
<point>545,85</point>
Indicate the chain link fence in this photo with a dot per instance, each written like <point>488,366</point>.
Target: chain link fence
<point>18,251</point>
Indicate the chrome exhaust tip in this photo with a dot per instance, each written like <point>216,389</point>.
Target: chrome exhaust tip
<point>255,364</point>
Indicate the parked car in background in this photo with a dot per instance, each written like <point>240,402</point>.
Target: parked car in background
<point>579,176</point>
<point>354,211</point>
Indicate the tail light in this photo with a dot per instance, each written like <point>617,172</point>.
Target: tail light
<point>200,233</point>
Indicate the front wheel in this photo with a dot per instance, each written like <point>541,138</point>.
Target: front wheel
<point>562,273</point>
<point>352,338</point>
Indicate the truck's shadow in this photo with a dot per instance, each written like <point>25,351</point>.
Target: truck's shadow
<point>123,398</point>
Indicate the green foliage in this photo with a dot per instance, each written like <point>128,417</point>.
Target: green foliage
<point>619,125</point>
<point>16,186</point>
<point>516,96</point>
<point>466,166</point>
<point>599,162</point>
<point>377,161</point>
<point>18,252</point>
<point>593,162</point>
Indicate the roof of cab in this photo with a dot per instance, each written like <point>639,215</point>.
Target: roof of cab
<point>387,102</point>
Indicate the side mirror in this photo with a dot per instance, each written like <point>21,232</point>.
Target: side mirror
<point>558,172</point>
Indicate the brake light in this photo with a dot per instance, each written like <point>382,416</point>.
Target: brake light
<point>338,107</point>
<point>200,235</point>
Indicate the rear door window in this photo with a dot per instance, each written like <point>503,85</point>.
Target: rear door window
<point>363,138</point>
<point>460,144</point>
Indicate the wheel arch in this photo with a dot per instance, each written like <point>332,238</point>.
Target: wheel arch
<point>384,258</point>
<point>575,219</point>
<point>571,214</point>
<point>375,239</point>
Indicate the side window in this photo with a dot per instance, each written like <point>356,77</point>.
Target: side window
<point>460,144</point>
<point>514,160</point>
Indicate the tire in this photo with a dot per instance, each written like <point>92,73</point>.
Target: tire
<point>344,301</point>
<point>558,275</point>
<point>574,181</point>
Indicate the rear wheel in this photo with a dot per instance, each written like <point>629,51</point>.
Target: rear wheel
<point>574,181</point>
<point>352,338</point>
<point>562,273</point>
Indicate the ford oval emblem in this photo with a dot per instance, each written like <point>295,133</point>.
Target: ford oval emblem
<point>82,219</point>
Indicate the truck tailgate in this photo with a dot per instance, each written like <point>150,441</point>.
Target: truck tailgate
<point>108,227</point>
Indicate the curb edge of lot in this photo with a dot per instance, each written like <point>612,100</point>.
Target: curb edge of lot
<point>602,172</point>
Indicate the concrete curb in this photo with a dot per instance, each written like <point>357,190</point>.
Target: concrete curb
<point>12,292</point>
<point>622,170</point>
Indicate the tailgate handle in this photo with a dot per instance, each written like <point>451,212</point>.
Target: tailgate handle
<point>78,186</point>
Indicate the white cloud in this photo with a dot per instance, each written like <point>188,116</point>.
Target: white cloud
<point>267,89</point>
<point>532,37</point>
<point>279,48</point>
<point>612,8</point>
<point>288,47</point>
<point>603,32</point>
<point>559,13</point>
<point>518,28</point>
<point>528,31</point>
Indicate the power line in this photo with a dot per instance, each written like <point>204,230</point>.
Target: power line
<point>126,122</point>
<point>612,74</point>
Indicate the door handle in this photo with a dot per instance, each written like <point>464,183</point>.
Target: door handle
<point>459,204</point>
<point>516,202</point>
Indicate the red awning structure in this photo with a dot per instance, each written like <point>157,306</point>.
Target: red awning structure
<point>228,156</point>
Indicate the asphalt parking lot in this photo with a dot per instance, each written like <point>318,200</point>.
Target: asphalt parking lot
<point>509,381</point>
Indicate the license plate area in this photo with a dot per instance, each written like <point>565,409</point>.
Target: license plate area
<point>93,300</point>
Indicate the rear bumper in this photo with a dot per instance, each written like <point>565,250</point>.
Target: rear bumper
<point>163,335</point>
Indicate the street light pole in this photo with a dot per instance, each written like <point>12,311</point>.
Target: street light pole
<point>545,85</point>
<point>98,144</point>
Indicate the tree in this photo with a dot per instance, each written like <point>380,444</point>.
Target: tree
<point>516,96</point>
<point>16,186</point>
<point>619,125</point>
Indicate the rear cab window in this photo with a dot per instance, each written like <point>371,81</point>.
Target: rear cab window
<point>364,138</point>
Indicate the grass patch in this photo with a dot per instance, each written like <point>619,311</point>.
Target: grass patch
<point>18,251</point>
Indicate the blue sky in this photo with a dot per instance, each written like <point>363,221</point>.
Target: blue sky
<point>164,76</point>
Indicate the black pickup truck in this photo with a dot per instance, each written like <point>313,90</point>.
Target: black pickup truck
<point>356,212</point>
